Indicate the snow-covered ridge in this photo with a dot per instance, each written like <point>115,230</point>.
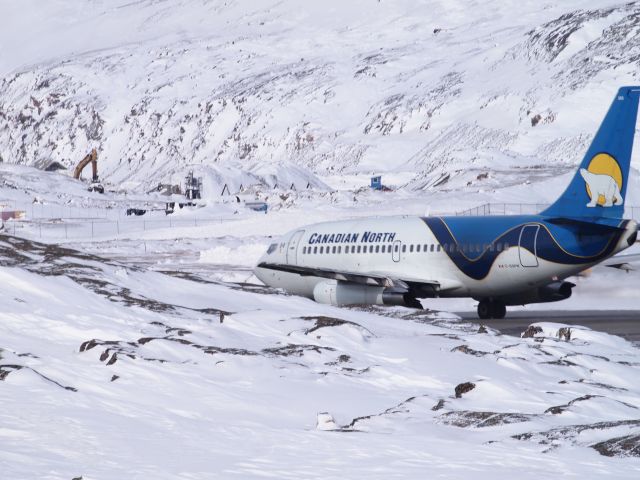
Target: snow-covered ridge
<point>426,87</point>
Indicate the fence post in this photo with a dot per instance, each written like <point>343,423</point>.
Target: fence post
<point>91,229</point>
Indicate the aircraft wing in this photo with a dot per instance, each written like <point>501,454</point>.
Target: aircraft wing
<point>374,279</point>
<point>622,262</point>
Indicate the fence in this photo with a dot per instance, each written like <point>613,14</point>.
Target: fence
<point>79,230</point>
<point>526,209</point>
<point>108,210</point>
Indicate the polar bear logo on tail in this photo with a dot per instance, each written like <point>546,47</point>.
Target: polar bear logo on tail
<point>601,186</point>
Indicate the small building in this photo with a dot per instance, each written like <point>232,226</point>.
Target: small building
<point>257,206</point>
<point>54,167</point>
<point>376,182</point>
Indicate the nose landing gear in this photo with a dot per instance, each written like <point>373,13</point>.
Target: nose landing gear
<point>488,308</point>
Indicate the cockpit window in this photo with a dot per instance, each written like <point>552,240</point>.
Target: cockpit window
<point>272,248</point>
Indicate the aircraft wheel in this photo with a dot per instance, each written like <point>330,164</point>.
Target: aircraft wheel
<point>484,309</point>
<point>498,309</point>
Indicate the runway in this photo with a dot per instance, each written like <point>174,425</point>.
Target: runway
<point>624,323</point>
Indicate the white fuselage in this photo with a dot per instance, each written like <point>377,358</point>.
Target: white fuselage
<point>404,248</point>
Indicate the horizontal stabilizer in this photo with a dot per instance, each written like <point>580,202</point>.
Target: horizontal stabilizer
<point>622,262</point>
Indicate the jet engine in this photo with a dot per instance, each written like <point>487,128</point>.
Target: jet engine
<point>552,292</point>
<point>333,292</point>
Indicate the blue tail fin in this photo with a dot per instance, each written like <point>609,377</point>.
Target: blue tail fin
<point>599,186</point>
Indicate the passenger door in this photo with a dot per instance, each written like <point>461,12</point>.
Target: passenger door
<point>292,248</point>
<point>528,245</point>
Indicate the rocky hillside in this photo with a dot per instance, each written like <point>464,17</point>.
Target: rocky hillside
<point>445,90</point>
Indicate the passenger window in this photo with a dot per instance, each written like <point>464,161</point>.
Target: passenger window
<point>404,249</point>
<point>431,248</point>
<point>339,248</point>
<point>383,248</point>
<point>353,249</point>
<point>304,250</point>
<point>506,246</point>
<point>395,247</point>
<point>321,249</point>
<point>499,247</point>
<point>358,248</point>
<point>411,248</point>
<point>334,249</point>
<point>315,249</point>
<point>377,248</point>
<point>418,248</point>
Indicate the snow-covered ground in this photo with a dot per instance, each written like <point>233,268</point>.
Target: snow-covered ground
<point>153,352</point>
<point>143,346</point>
<point>116,372</point>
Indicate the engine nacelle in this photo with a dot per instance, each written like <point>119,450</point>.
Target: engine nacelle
<point>332,292</point>
<point>553,292</point>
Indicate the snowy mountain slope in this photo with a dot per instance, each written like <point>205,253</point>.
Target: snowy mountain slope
<point>110,372</point>
<point>428,87</point>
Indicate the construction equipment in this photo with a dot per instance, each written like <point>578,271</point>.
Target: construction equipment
<point>193,187</point>
<point>92,158</point>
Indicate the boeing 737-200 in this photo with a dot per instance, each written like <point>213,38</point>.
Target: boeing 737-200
<point>497,260</point>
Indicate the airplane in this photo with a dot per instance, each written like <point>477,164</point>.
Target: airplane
<point>499,261</point>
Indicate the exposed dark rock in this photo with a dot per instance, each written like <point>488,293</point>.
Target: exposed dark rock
<point>400,408</point>
<point>463,388</point>
<point>482,329</point>
<point>561,408</point>
<point>295,350</point>
<point>531,331</point>
<point>564,333</point>
<point>324,322</point>
<point>562,362</point>
<point>627,446</point>
<point>7,369</point>
<point>470,351</point>
<point>483,419</point>
<point>439,405</point>
<point>615,446</point>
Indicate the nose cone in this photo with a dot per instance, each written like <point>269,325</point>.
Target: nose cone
<point>260,272</point>
<point>267,257</point>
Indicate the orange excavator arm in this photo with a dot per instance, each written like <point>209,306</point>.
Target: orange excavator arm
<point>90,158</point>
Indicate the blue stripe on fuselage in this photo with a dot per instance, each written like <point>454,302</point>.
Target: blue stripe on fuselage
<point>563,244</point>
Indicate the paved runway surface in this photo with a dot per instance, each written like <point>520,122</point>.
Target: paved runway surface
<point>625,323</point>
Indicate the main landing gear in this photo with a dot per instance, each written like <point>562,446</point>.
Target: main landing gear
<point>488,308</point>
